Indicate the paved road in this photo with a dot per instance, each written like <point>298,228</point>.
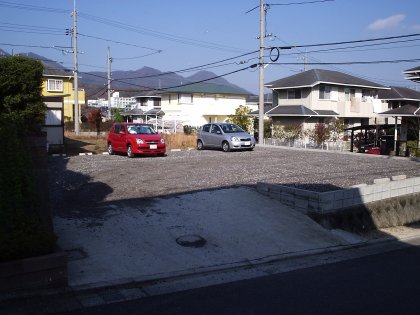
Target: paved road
<point>386,283</point>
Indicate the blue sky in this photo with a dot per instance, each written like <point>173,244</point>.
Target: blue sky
<point>194,33</point>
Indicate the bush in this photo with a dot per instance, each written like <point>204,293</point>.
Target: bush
<point>21,231</point>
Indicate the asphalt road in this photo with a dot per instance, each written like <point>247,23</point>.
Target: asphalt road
<point>88,180</point>
<point>385,283</point>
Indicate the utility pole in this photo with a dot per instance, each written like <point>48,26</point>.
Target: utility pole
<point>261,82</point>
<point>109,60</point>
<point>76,72</point>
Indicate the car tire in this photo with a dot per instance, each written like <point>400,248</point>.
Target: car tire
<point>225,146</point>
<point>110,150</point>
<point>130,153</point>
<point>200,145</point>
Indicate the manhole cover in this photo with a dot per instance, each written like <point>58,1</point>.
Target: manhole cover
<point>191,241</point>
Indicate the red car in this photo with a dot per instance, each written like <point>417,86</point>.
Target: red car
<point>134,138</point>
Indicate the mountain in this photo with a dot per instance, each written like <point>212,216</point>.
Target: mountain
<point>142,80</point>
<point>129,83</point>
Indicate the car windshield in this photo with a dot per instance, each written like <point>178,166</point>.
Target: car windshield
<point>231,128</point>
<point>140,129</point>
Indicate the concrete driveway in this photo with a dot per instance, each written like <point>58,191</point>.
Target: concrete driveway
<point>138,241</point>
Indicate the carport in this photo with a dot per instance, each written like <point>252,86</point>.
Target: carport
<point>409,111</point>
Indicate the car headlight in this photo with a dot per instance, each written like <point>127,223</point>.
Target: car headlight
<point>139,141</point>
<point>235,139</point>
<point>162,140</point>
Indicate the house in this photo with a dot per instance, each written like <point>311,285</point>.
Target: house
<point>200,103</point>
<point>318,96</point>
<point>59,82</point>
<point>413,74</point>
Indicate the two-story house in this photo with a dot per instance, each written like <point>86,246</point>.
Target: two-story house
<point>200,103</point>
<point>413,74</point>
<point>317,96</point>
<point>58,82</point>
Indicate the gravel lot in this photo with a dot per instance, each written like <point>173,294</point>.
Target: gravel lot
<point>87,180</point>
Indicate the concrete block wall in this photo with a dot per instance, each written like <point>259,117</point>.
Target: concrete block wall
<point>331,201</point>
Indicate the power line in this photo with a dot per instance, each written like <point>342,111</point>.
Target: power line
<point>193,68</point>
<point>32,7</point>
<point>348,62</point>
<point>290,3</point>
<point>119,42</point>
<point>161,35</point>
<point>346,42</point>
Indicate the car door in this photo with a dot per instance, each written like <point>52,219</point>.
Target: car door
<point>215,136</point>
<point>119,137</point>
<point>204,134</point>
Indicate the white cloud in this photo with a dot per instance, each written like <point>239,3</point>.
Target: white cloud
<point>387,23</point>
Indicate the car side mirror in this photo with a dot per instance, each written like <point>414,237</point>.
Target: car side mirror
<point>122,132</point>
<point>218,132</point>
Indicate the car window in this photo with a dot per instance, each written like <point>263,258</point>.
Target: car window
<point>206,128</point>
<point>140,130</point>
<point>117,128</point>
<point>215,129</point>
<point>231,128</point>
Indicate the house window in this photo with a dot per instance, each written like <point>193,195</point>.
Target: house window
<point>294,94</point>
<point>347,94</point>
<point>185,98</point>
<point>55,85</point>
<point>324,92</point>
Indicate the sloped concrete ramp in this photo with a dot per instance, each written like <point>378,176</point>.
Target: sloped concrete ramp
<point>216,229</point>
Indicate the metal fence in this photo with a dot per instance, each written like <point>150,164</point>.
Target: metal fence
<point>302,144</point>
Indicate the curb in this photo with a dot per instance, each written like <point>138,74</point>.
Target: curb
<point>126,289</point>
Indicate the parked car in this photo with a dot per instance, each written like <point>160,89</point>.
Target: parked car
<point>135,138</point>
<point>226,136</point>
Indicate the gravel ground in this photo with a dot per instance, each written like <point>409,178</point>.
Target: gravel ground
<point>88,180</point>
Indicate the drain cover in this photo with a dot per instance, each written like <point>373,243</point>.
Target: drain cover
<point>191,241</point>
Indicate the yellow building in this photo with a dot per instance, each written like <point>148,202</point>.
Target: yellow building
<point>59,82</point>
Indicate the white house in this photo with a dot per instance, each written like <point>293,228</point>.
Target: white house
<point>200,103</point>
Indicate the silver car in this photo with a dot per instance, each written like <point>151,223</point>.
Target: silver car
<point>226,136</point>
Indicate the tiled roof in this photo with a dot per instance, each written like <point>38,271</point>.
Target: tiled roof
<point>406,110</point>
<point>298,110</point>
<point>317,76</point>
<point>399,93</point>
<point>416,69</point>
<point>208,88</point>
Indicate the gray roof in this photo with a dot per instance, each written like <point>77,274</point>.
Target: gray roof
<point>406,110</point>
<point>399,93</point>
<point>314,77</point>
<point>415,69</point>
<point>267,107</point>
<point>298,110</point>
<point>208,88</point>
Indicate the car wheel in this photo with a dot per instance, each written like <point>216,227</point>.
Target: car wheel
<point>130,153</point>
<point>110,150</point>
<point>225,146</point>
<point>200,145</point>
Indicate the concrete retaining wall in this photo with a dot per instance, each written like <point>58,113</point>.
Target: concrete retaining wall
<point>388,202</point>
<point>331,201</point>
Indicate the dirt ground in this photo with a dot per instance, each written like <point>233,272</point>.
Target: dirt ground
<point>97,144</point>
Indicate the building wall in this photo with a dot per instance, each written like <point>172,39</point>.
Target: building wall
<point>203,108</point>
<point>68,94</point>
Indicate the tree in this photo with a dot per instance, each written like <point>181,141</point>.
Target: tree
<point>116,113</point>
<point>22,233</point>
<point>321,133</point>
<point>241,117</point>
<point>20,92</point>
<point>94,118</point>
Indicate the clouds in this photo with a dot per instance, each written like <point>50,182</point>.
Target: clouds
<point>391,22</point>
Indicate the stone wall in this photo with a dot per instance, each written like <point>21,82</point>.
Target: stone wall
<point>387,202</point>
